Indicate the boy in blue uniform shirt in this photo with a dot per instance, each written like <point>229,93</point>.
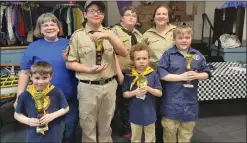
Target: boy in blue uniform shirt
<point>42,105</point>
<point>141,86</point>
<point>179,107</point>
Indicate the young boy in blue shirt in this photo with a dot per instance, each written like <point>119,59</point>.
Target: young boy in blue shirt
<point>41,107</point>
<point>141,85</point>
<point>179,107</point>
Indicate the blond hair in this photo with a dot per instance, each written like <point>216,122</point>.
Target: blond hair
<point>181,30</point>
<point>44,18</point>
<point>139,47</point>
<point>41,68</point>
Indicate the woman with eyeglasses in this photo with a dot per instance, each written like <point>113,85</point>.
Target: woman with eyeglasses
<point>160,39</point>
<point>91,54</point>
<point>127,33</point>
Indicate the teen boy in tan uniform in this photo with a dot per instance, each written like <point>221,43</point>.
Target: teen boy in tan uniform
<point>91,54</point>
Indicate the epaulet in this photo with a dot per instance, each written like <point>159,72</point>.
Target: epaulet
<point>107,28</point>
<point>80,29</point>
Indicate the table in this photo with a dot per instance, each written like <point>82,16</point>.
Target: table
<point>228,82</point>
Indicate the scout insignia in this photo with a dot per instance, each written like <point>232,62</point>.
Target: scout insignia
<point>196,57</point>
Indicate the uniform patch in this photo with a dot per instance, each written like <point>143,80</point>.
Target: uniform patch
<point>115,32</point>
<point>197,57</point>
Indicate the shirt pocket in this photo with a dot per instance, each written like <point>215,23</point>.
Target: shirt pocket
<point>85,54</point>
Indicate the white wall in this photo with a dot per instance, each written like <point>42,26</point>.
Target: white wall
<point>113,15</point>
<point>197,24</point>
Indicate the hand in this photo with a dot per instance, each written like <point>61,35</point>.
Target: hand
<point>140,92</point>
<point>33,122</point>
<point>99,35</point>
<point>98,68</point>
<point>189,76</point>
<point>145,88</point>
<point>46,119</point>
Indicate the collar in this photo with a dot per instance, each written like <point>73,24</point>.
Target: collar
<point>170,27</point>
<point>89,29</point>
<point>174,50</point>
<point>133,31</point>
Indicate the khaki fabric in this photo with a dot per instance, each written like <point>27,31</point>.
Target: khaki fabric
<point>96,106</point>
<point>125,62</point>
<point>136,133</point>
<point>83,50</point>
<point>175,131</point>
<point>158,43</point>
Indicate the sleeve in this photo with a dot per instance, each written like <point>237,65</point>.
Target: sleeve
<point>126,84</point>
<point>157,84</point>
<point>62,100</point>
<point>205,67</point>
<point>20,108</point>
<point>27,59</point>
<point>71,52</point>
<point>114,30</point>
<point>163,65</point>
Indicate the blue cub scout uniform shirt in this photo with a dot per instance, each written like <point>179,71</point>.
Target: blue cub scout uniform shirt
<point>142,112</point>
<point>26,105</point>
<point>52,52</point>
<point>178,102</point>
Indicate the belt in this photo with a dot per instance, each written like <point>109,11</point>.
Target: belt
<point>99,82</point>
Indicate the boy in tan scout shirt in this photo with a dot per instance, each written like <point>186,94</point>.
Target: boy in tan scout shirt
<point>91,54</point>
<point>127,33</point>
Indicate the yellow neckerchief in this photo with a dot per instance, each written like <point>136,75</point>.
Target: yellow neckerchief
<point>137,79</point>
<point>42,101</point>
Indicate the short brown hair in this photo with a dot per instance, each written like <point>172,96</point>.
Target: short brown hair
<point>41,68</point>
<point>44,18</point>
<point>131,8</point>
<point>180,30</point>
<point>139,47</point>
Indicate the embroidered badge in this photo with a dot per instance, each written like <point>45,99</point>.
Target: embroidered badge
<point>197,57</point>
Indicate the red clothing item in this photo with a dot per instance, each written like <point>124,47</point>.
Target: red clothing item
<point>21,27</point>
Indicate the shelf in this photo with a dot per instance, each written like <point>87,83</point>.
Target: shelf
<point>13,47</point>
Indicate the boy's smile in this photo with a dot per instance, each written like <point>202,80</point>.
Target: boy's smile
<point>40,81</point>
<point>183,41</point>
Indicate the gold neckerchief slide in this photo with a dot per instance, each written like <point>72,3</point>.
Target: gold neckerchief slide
<point>140,79</point>
<point>42,102</point>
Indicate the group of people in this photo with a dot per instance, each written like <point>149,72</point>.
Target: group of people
<point>99,70</point>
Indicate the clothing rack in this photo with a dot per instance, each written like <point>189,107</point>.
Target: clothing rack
<point>71,5</point>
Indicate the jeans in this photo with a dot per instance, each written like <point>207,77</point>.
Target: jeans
<point>71,120</point>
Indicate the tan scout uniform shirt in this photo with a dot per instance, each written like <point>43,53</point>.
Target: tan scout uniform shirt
<point>159,43</point>
<point>125,62</point>
<point>83,50</point>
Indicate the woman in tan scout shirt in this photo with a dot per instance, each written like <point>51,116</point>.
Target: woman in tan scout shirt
<point>160,37</point>
<point>91,55</point>
<point>127,33</point>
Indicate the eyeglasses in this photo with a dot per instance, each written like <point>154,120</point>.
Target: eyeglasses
<point>93,11</point>
<point>129,15</point>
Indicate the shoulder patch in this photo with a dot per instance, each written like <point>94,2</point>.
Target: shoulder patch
<point>197,57</point>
